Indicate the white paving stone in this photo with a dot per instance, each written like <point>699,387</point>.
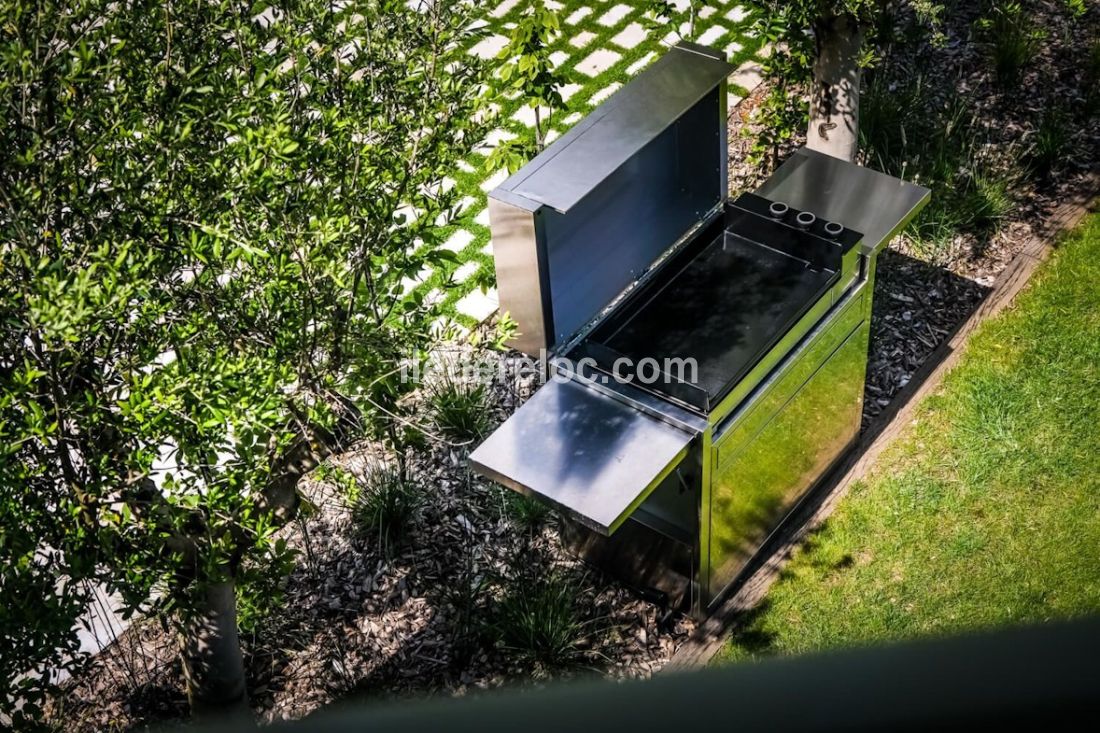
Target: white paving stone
<point>640,64</point>
<point>734,48</point>
<point>526,115</point>
<point>748,75</point>
<point>465,167</point>
<point>409,283</point>
<point>630,36</point>
<point>604,93</point>
<point>478,305</point>
<point>738,14</point>
<point>553,5</point>
<point>558,58</point>
<point>613,16</point>
<point>671,38</point>
<point>712,34</point>
<point>463,273</point>
<point>578,15</point>
<point>582,39</point>
<point>572,119</point>
<point>598,62</point>
<point>458,241</point>
<point>482,217</point>
<point>568,90</point>
<point>551,136</point>
<point>501,10</point>
<point>707,12</point>
<point>490,47</point>
<point>494,180</point>
<point>493,139</point>
<point>488,249</point>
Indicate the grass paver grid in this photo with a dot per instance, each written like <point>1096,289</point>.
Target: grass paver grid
<point>618,45</point>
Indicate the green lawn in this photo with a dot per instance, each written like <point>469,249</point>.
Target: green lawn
<point>986,512</point>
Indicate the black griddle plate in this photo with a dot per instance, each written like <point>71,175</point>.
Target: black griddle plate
<point>725,308</point>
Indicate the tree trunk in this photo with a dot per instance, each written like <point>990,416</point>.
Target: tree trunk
<point>834,101</point>
<point>211,654</point>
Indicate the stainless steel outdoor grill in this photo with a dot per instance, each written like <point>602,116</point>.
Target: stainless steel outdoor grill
<point>620,258</point>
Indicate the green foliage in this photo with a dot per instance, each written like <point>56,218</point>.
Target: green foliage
<point>524,511</point>
<point>783,24</point>
<point>537,620</point>
<point>941,149</point>
<point>986,511</point>
<point>383,504</point>
<point>1076,8</point>
<point>1011,38</point>
<point>207,210</point>
<point>459,407</point>
<point>529,71</point>
<point>678,16</point>
<point>1050,141</point>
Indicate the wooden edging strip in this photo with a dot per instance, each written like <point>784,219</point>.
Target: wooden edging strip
<point>711,635</point>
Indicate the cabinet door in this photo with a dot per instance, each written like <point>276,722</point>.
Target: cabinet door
<point>759,477</point>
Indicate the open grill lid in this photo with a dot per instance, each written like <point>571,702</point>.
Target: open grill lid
<point>592,213</point>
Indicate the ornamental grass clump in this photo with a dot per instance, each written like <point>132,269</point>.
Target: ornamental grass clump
<point>537,620</point>
<point>459,408</point>
<point>384,504</point>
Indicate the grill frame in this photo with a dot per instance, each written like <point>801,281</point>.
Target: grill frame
<point>745,456</point>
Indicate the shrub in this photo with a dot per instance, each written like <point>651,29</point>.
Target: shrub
<point>460,408</point>
<point>538,621</point>
<point>1011,39</point>
<point>985,201</point>
<point>384,503</point>
<point>1049,143</point>
<point>941,149</point>
<point>202,250</point>
<point>524,511</point>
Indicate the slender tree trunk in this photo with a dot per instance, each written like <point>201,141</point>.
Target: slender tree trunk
<point>211,654</point>
<point>834,102</point>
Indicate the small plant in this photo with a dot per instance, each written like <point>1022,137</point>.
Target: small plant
<point>538,621</point>
<point>529,70</point>
<point>384,502</point>
<point>986,199</point>
<point>664,13</point>
<point>1049,143</point>
<point>460,408</point>
<point>1012,40</point>
<point>1076,8</point>
<point>525,512</point>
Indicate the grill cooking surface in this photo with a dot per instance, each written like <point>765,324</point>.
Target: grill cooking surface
<point>725,308</point>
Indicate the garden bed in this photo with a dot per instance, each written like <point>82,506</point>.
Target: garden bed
<point>434,614</point>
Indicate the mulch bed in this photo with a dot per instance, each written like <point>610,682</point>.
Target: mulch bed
<point>359,624</point>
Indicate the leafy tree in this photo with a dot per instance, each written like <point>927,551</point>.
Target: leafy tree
<point>680,15</point>
<point>207,210</point>
<point>529,71</point>
<point>822,46</point>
